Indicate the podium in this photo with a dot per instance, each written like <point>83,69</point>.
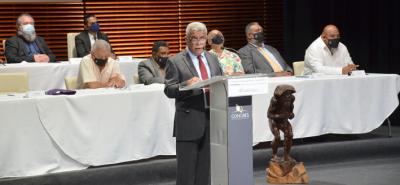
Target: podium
<point>231,131</point>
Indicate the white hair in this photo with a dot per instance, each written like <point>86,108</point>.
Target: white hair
<point>101,44</point>
<point>195,26</point>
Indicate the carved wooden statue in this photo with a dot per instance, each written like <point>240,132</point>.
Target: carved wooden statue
<point>286,170</point>
<point>279,111</point>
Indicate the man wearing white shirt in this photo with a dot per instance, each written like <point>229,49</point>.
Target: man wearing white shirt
<point>99,70</point>
<point>327,55</point>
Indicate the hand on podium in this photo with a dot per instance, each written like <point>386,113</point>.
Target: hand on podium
<point>192,81</point>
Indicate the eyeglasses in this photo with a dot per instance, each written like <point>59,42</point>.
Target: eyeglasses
<point>198,40</point>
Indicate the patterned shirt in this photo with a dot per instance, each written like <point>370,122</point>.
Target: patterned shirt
<point>229,61</point>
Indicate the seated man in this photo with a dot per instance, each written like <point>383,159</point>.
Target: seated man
<point>99,70</point>
<point>85,40</point>
<point>258,57</point>
<point>327,55</point>
<point>26,45</point>
<point>152,70</point>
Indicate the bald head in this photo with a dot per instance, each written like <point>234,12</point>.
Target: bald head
<point>330,32</point>
<point>211,35</point>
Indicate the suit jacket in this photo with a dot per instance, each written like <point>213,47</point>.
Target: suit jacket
<point>190,115</point>
<point>149,72</point>
<point>254,62</point>
<point>17,52</point>
<point>82,42</point>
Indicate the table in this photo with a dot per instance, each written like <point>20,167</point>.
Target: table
<point>45,76</point>
<point>332,104</point>
<point>48,134</point>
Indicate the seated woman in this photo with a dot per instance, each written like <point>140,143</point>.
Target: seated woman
<point>229,61</point>
<point>99,70</point>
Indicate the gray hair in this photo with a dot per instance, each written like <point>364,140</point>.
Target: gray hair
<point>101,44</point>
<point>195,26</point>
<point>18,22</point>
<point>248,26</point>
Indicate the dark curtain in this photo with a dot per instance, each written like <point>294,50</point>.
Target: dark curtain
<point>369,28</point>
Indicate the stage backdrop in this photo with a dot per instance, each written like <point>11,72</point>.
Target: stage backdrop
<point>132,26</point>
<point>369,28</point>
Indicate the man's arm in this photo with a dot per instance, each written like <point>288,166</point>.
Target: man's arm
<point>95,85</point>
<point>11,52</point>
<point>313,59</point>
<point>145,75</point>
<point>80,47</point>
<point>247,60</point>
<point>105,37</point>
<point>172,83</point>
<point>47,50</point>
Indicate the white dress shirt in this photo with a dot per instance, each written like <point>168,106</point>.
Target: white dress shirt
<point>319,59</point>
<point>196,63</point>
<point>92,39</point>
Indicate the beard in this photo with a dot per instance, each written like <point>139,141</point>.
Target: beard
<point>30,37</point>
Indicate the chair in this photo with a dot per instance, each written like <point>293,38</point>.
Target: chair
<point>71,45</point>
<point>298,68</point>
<point>13,82</point>
<point>136,79</point>
<point>4,51</point>
<point>71,83</point>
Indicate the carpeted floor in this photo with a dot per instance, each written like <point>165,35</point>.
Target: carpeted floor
<point>359,159</point>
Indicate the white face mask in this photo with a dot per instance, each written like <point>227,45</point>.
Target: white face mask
<point>28,29</point>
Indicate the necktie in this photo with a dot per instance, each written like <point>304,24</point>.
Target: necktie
<point>203,69</point>
<point>274,64</point>
<point>204,76</point>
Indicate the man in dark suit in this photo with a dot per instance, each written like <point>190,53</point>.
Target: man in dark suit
<point>152,70</point>
<point>192,118</point>
<point>26,45</point>
<point>85,40</point>
<point>258,57</point>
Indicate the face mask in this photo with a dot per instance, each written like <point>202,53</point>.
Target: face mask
<point>333,43</point>
<point>28,29</point>
<point>100,62</point>
<point>162,61</point>
<point>95,27</point>
<point>259,37</point>
<point>217,39</point>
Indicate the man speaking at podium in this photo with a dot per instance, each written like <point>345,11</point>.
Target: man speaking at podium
<point>192,118</point>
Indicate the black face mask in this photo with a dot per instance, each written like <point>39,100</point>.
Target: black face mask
<point>333,43</point>
<point>259,37</point>
<point>100,62</point>
<point>217,39</point>
<point>162,61</point>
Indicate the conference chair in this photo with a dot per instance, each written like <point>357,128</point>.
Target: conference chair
<point>136,79</point>
<point>71,83</point>
<point>298,68</point>
<point>4,50</point>
<point>71,45</point>
<point>13,82</point>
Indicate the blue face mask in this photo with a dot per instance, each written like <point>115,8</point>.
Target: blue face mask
<point>95,27</point>
<point>28,29</point>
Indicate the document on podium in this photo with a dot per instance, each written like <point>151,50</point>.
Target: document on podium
<point>203,83</point>
<point>215,79</point>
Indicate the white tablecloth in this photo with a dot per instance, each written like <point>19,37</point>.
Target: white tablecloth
<point>332,104</point>
<point>45,76</point>
<point>96,127</point>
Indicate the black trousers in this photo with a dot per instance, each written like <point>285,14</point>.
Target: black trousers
<point>193,161</point>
